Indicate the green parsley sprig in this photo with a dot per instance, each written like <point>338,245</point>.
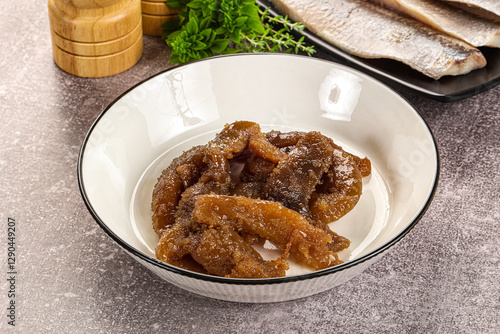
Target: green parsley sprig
<point>211,27</point>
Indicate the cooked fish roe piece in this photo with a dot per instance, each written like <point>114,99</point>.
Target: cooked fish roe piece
<point>364,165</point>
<point>232,140</point>
<point>178,242</point>
<point>252,189</point>
<point>188,198</point>
<point>339,191</point>
<point>297,175</point>
<point>287,141</point>
<point>223,252</point>
<point>284,140</point>
<point>285,228</point>
<point>182,173</point>
<point>256,169</point>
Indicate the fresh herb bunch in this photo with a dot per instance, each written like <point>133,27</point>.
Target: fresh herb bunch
<point>209,27</point>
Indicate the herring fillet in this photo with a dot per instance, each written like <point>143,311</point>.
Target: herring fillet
<point>368,30</point>
<point>487,8</point>
<point>439,15</point>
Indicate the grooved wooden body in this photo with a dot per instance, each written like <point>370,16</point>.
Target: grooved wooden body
<point>98,66</point>
<point>98,48</point>
<point>154,14</point>
<point>157,8</point>
<point>152,24</point>
<point>96,38</point>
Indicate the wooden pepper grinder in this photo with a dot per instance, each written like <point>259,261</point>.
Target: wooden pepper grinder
<point>96,38</point>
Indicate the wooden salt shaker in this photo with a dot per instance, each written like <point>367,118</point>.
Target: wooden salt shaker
<point>96,38</point>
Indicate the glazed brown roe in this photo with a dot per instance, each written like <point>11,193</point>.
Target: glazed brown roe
<point>216,200</point>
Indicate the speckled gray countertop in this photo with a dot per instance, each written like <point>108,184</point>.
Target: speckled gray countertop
<point>72,278</point>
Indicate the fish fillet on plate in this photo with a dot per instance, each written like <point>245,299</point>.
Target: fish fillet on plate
<point>486,8</point>
<point>368,30</point>
<point>463,25</point>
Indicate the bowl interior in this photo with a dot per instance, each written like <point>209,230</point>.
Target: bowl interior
<point>140,133</point>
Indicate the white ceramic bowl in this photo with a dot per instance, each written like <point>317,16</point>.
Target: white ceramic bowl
<point>138,135</point>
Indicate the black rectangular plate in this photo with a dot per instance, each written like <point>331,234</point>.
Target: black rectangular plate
<point>401,76</point>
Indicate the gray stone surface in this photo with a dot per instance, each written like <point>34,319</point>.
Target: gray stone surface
<point>72,278</point>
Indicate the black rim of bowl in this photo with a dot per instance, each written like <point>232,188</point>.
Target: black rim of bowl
<point>251,281</point>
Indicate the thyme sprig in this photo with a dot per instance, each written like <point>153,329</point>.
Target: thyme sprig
<point>210,27</point>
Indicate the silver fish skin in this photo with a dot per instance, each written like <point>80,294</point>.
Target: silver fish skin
<point>368,30</point>
<point>468,27</point>
<point>485,8</point>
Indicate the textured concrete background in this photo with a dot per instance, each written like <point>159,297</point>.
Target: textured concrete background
<point>72,278</point>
